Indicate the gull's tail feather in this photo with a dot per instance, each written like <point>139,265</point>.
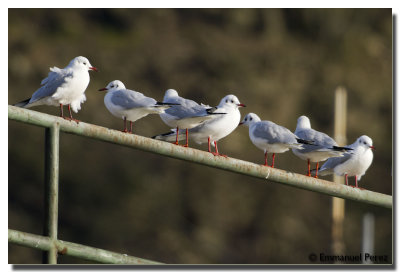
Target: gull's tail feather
<point>23,104</point>
<point>170,136</point>
<point>302,141</point>
<point>342,148</point>
<point>161,106</point>
<point>166,104</point>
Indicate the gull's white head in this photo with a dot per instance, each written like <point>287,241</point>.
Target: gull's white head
<point>113,86</point>
<point>303,122</point>
<point>230,101</point>
<point>365,142</point>
<point>250,119</point>
<point>170,93</point>
<point>82,62</point>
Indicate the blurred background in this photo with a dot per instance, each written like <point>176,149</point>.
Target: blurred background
<point>281,63</point>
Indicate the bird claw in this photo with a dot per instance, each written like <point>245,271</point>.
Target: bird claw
<point>218,154</point>
<point>71,119</point>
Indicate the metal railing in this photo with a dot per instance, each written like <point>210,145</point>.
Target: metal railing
<point>54,125</point>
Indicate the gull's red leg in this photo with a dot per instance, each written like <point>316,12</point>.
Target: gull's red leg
<point>177,134</point>
<point>125,130</point>
<point>130,127</point>
<point>309,170</point>
<point>209,145</point>
<point>273,160</point>
<point>266,158</point>
<point>216,153</point>
<point>347,182</point>
<point>356,182</point>
<point>70,114</point>
<point>187,138</point>
<point>316,170</point>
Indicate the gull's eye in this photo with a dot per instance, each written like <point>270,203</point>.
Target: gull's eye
<point>251,118</point>
<point>231,101</point>
<point>365,143</point>
<point>84,63</point>
<point>226,101</point>
<point>116,86</point>
<point>112,86</point>
<point>245,119</point>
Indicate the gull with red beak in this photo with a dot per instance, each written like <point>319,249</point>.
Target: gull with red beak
<point>188,114</point>
<point>270,137</point>
<point>63,87</point>
<point>324,147</point>
<point>211,131</point>
<point>130,105</point>
<point>354,163</point>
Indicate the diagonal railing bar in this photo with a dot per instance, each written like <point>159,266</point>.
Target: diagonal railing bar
<point>201,157</point>
<point>73,249</point>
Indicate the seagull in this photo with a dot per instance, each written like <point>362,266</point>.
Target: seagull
<point>130,105</point>
<point>351,164</point>
<point>324,147</point>
<point>63,87</point>
<point>188,114</point>
<point>270,137</point>
<point>213,130</point>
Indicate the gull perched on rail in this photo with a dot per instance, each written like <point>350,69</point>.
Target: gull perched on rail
<point>324,147</point>
<point>63,87</point>
<point>213,130</point>
<point>351,164</point>
<point>188,114</point>
<point>130,105</point>
<point>270,137</point>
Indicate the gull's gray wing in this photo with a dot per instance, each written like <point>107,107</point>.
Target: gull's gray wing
<point>333,162</point>
<point>128,99</point>
<point>56,78</point>
<point>273,133</point>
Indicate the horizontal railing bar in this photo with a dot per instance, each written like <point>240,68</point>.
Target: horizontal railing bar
<point>73,249</point>
<point>201,157</point>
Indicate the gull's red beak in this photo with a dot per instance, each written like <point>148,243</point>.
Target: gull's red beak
<point>241,105</point>
<point>93,69</point>
<point>372,147</point>
<point>241,123</point>
<point>103,89</point>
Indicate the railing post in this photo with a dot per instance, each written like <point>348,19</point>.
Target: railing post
<point>338,204</point>
<point>52,138</point>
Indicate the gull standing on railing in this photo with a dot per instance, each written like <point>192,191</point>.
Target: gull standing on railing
<point>213,130</point>
<point>355,163</point>
<point>63,87</point>
<point>130,105</point>
<point>324,147</point>
<point>270,137</point>
<point>188,114</point>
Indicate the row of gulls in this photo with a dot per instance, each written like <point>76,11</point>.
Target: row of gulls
<point>204,124</point>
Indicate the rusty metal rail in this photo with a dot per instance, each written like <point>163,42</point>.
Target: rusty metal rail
<point>192,155</point>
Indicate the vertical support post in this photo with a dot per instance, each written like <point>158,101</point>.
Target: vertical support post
<point>338,207</point>
<point>52,138</point>
<point>368,227</point>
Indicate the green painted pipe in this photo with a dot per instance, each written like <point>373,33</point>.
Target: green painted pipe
<point>52,143</point>
<point>72,249</point>
<point>201,157</point>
